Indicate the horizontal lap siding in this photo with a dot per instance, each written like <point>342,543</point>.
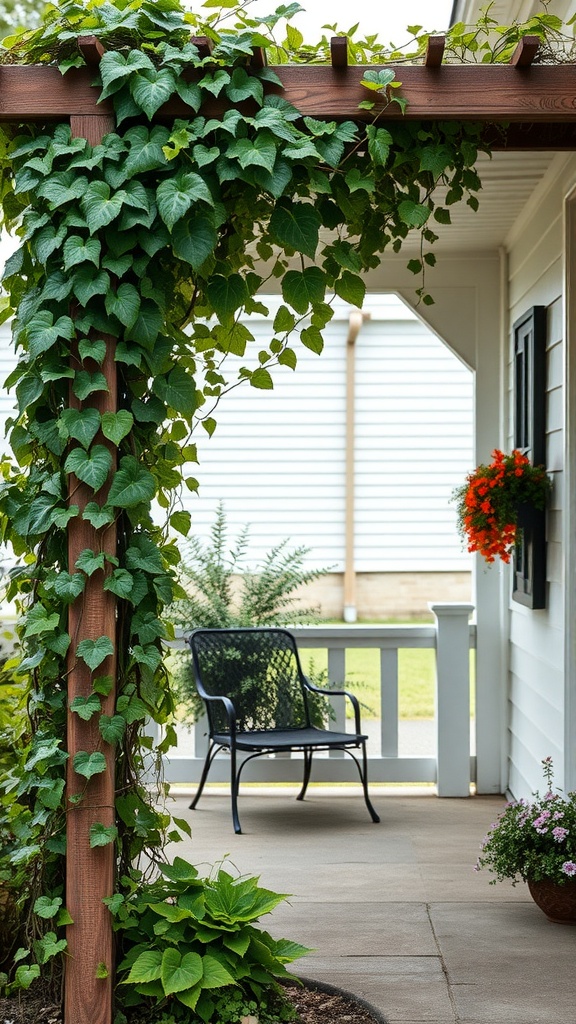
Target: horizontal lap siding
<point>277,459</point>
<point>536,685</point>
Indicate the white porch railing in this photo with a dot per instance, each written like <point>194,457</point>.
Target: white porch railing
<point>451,767</point>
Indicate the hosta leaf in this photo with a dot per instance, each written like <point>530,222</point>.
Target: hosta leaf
<point>82,425</point>
<point>296,225</point>
<point>86,707</point>
<point>180,972</point>
<point>215,974</point>
<point>116,425</point>
<point>147,967</point>
<point>131,485</point>
<point>179,871</point>
<point>89,764</point>
<point>101,835</point>
<point>94,652</point>
<point>91,467</point>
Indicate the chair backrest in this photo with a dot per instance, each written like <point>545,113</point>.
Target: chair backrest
<point>259,670</point>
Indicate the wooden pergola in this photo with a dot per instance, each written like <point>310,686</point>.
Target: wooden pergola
<point>536,103</point>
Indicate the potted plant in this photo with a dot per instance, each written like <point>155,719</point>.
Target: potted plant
<point>536,841</point>
<point>493,503</point>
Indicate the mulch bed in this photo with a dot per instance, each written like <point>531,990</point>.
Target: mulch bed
<point>314,1006</point>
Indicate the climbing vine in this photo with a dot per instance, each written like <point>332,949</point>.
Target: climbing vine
<point>162,237</point>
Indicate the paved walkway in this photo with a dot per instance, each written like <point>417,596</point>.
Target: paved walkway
<point>394,912</point>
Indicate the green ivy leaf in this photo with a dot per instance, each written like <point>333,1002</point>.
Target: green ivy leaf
<point>120,582</point>
<point>94,652</point>
<point>92,467</point>
<point>89,764</point>
<point>312,339</point>
<point>177,390</point>
<point>351,288</point>
<point>46,907</point>
<point>102,835</point>
<point>261,379</point>
<point>92,349</point>
<point>43,332</point>
<point>39,621</point>
<point>176,195</point>
<point>303,288</point>
<point>413,214</point>
<point>69,586</point>
<point>181,521</point>
<point>100,206</point>
<point>226,294</point>
<point>116,425</point>
<point>124,304</point>
<point>89,562</point>
<point>152,88</point>
<point>86,284</point>
<point>194,239</point>
<point>86,707</point>
<point>296,225</point>
<point>377,80</point>
<point>97,517</point>
<point>82,425</point>
<point>79,250</point>
<point>131,485</point>
<point>112,728</point>
<point>86,383</point>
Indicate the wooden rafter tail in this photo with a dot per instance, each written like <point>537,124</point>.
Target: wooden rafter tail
<point>525,52</point>
<point>203,44</point>
<point>434,51</point>
<point>91,49</point>
<point>259,59</point>
<point>339,51</point>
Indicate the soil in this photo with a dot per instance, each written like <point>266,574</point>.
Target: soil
<point>313,1005</point>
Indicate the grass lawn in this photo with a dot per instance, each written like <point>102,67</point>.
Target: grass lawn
<point>416,679</point>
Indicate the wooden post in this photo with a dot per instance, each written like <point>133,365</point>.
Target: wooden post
<point>90,872</point>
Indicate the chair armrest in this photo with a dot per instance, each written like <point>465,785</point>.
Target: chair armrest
<point>338,693</point>
<point>228,707</point>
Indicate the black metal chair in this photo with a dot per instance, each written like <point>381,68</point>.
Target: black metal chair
<point>259,701</point>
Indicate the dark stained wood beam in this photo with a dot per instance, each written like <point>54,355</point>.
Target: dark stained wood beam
<point>434,51</point>
<point>203,44</point>
<point>525,52</point>
<point>91,49</point>
<point>259,58</point>
<point>539,95</point>
<point>339,51</point>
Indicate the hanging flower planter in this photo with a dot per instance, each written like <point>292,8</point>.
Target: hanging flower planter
<point>497,502</point>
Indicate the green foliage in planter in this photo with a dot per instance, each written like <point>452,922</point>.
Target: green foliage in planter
<point>189,943</point>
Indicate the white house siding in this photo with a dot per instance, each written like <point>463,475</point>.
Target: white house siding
<point>536,666</point>
<point>277,459</point>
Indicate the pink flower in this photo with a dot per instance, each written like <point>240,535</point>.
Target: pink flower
<point>557,815</point>
<point>559,833</point>
<point>569,867</point>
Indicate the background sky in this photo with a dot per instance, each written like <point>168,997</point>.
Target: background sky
<point>387,18</point>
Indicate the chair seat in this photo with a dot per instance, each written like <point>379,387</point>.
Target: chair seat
<point>290,739</point>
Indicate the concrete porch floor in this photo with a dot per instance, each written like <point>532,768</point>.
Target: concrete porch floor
<point>394,912</point>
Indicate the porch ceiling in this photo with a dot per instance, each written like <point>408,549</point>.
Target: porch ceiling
<point>508,181</point>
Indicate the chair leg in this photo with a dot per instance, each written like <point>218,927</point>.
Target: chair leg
<point>212,751</point>
<point>307,770</point>
<point>234,787</point>
<point>364,776</point>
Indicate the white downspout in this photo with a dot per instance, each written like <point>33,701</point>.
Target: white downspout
<point>355,321</point>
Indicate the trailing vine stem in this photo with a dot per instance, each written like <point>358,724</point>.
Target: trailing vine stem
<point>156,228</point>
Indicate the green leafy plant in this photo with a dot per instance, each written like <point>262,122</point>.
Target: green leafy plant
<point>191,944</point>
<point>533,840</point>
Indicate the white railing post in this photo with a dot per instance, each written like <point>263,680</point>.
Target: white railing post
<point>453,698</point>
<point>337,677</point>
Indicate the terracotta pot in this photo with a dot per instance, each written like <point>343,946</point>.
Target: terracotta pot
<point>558,902</point>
